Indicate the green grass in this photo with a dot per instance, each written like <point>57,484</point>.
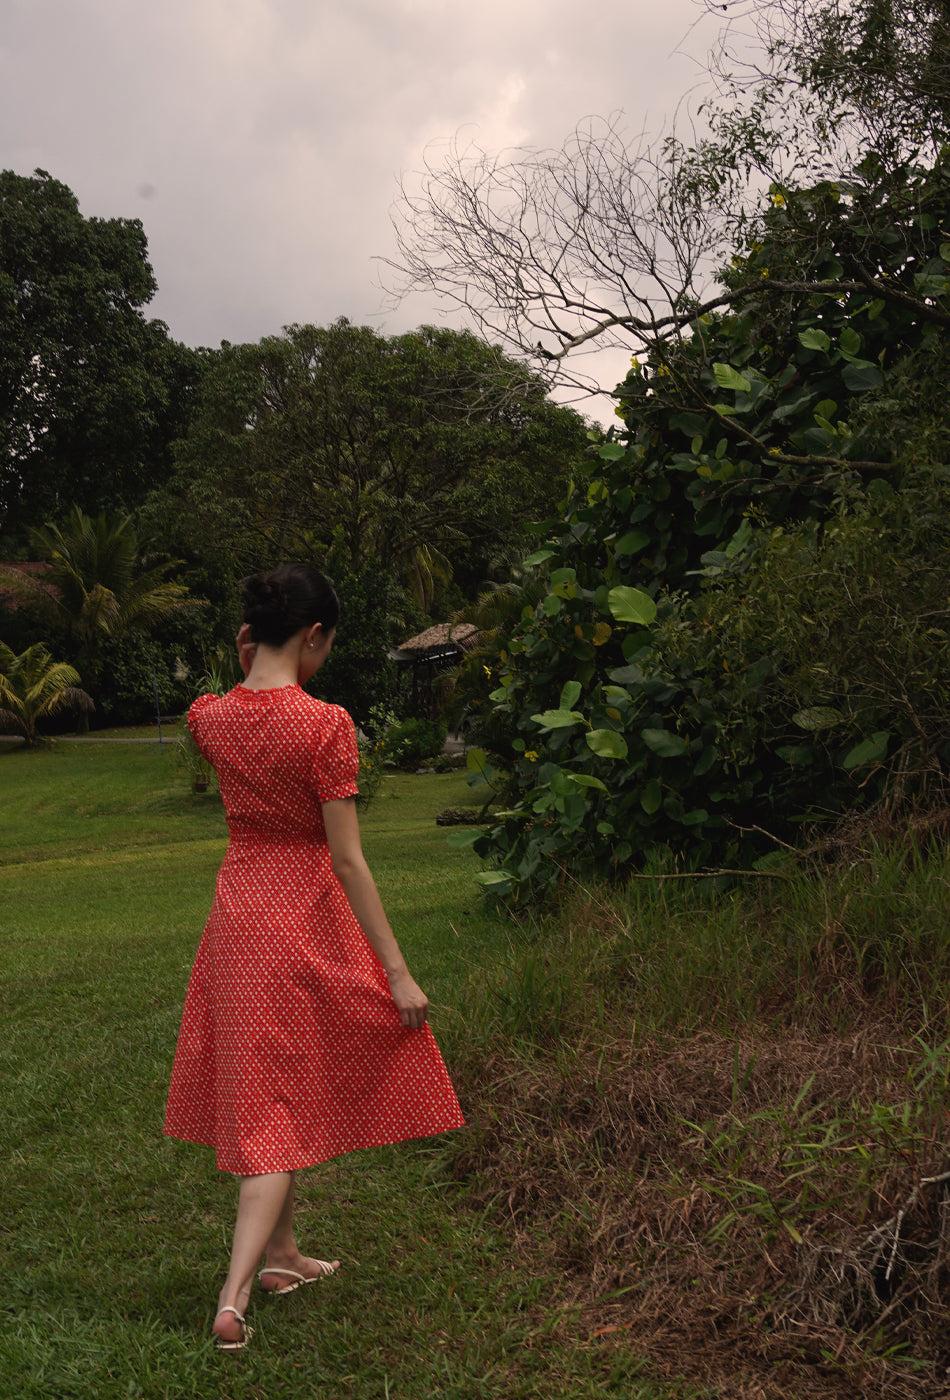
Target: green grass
<point>115,1239</point>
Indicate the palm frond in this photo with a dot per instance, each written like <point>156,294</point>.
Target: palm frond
<point>33,686</point>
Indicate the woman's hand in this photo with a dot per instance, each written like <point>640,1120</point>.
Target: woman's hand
<point>246,649</point>
<point>411,1000</point>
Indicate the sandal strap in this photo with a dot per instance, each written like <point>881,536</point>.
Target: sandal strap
<point>325,1271</point>
<point>229,1309</point>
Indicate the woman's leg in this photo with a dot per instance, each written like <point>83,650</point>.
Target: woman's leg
<point>285,1258</point>
<point>262,1202</point>
<point>281,1244</point>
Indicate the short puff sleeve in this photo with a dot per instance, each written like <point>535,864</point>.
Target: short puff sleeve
<point>336,759</point>
<point>196,715</point>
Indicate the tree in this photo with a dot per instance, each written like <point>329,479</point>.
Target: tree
<point>613,242</point>
<point>91,393</point>
<point>424,450</point>
<point>551,251</point>
<point>34,687</point>
<point>96,586</point>
<point>876,73</point>
<point>746,623</point>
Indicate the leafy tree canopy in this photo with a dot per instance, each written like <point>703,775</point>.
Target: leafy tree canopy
<point>423,450</point>
<point>91,392</point>
<point>745,622</point>
<point>833,77</point>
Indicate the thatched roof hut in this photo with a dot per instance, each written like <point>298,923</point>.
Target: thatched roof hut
<point>436,649</point>
<point>446,642</point>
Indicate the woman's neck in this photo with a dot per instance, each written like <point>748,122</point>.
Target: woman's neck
<point>273,668</point>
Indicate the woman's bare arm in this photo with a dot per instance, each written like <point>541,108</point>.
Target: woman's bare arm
<point>350,868</point>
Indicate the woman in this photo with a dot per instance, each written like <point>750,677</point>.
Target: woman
<point>303,1034</point>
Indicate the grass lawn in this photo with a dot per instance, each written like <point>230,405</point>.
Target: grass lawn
<point>115,1238</point>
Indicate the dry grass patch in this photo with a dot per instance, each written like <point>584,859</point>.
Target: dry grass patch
<point>756,1202</point>
<point>734,1205</point>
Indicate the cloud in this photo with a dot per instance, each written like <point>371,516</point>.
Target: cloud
<point>261,141</point>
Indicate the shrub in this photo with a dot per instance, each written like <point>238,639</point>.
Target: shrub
<point>412,740</point>
<point>133,669</point>
<point>372,760</point>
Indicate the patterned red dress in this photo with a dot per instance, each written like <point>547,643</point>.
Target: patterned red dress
<point>291,1049</point>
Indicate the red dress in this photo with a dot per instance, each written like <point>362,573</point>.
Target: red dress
<point>291,1049</point>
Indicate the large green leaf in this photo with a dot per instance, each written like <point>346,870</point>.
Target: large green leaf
<point>607,743</point>
<point>651,797</point>
<point>495,879</point>
<point>631,605</point>
<point>817,717</point>
<point>871,750</point>
<point>587,780</point>
<point>570,694</point>
<point>557,719</point>
<point>663,742</point>
<point>729,378</point>
<point>814,339</point>
<point>632,542</point>
<point>862,375</point>
<point>461,839</point>
<point>850,341</point>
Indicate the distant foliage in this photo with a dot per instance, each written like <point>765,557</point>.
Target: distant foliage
<point>430,451</point>
<point>139,675</point>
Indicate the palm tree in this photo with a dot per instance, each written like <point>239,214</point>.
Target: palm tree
<point>32,686</point>
<point>96,586</point>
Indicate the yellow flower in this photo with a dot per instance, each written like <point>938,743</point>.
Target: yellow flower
<point>531,755</point>
<point>778,199</point>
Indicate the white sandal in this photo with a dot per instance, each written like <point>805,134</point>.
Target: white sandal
<point>297,1280</point>
<point>223,1344</point>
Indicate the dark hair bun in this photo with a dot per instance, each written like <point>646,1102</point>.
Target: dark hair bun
<point>264,599</point>
<point>292,596</point>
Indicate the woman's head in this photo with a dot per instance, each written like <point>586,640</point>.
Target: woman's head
<point>277,605</point>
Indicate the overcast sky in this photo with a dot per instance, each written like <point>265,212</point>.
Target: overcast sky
<point>261,141</point>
